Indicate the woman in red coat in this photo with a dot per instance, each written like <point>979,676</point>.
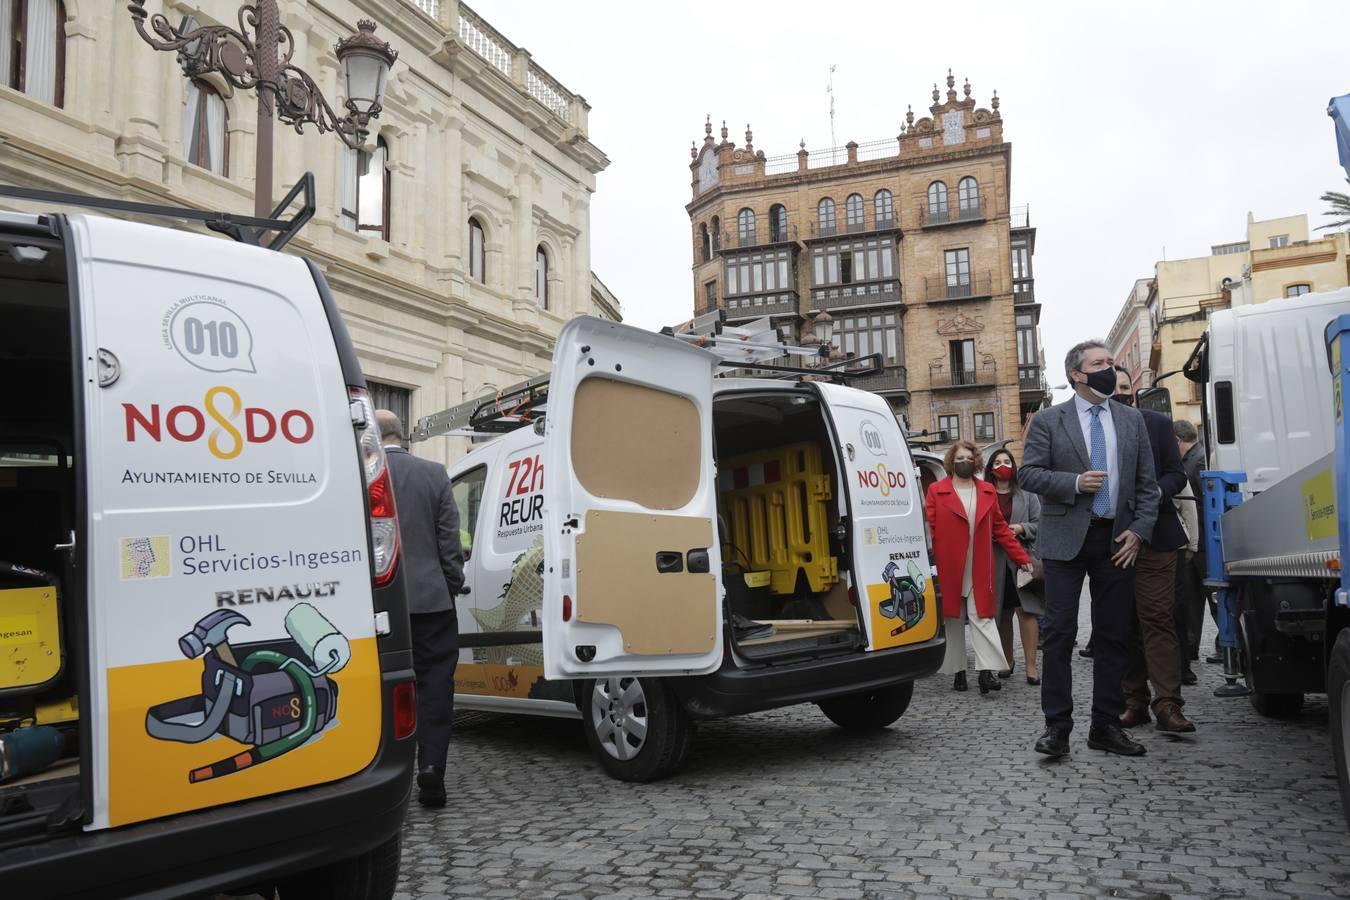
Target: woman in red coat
<point>964,520</point>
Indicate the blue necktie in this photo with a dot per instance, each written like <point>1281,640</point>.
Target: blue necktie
<point>1101,501</point>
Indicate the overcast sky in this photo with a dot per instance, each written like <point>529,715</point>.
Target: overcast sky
<point>1135,127</point>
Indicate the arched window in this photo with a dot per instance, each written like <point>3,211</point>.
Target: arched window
<point>477,261</point>
<point>704,244</point>
<point>365,190</point>
<point>1298,290</point>
<point>716,234</point>
<point>33,48</point>
<point>968,193</point>
<point>883,207</point>
<point>825,215</point>
<point>205,128</point>
<point>745,227</point>
<point>541,277</point>
<point>777,223</point>
<point>937,198</point>
<point>853,212</point>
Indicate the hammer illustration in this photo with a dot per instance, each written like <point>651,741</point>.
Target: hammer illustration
<point>211,631</point>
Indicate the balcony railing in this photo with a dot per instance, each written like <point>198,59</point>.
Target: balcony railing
<point>1024,292</point>
<point>815,231</point>
<point>976,286</point>
<point>475,33</point>
<point>941,376</point>
<point>1030,378</point>
<point>894,380</point>
<point>845,296</point>
<point>934,216</point>
<point>752,306</point>
<point>1019,217</point>
<point>758,237</point>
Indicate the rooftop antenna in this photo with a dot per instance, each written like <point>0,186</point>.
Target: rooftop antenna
<point>834,145</point>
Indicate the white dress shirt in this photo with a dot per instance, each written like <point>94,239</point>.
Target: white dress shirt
<point>1109,427</point>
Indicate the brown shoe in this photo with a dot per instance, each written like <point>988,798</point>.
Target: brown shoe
<point>1134,718</point>
<point>1171,719</point>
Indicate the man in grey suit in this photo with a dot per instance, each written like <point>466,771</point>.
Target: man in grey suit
<point>433,571</point>
<point>1092,465</point>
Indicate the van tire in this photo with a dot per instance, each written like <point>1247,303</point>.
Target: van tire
<point>669,734</point>
<point>371,876</point>
<point>1338,699</point>
<point>869,710</point>
<point>1277,706</point>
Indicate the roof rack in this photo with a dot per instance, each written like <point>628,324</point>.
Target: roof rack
<point>245,229</point>
<point>746,348</point>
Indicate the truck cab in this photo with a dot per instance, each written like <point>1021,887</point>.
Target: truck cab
<point>662,546</point>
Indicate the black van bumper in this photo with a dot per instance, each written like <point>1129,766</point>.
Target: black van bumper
<point>731,690</point>
<point>234,846</point>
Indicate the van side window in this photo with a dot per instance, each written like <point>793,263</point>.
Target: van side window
<point>1224,420</point>
<point>467,490</point>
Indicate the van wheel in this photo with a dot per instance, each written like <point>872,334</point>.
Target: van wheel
<point>635,727</point>
<point>1277,706</point>
<point>869,710</point>
<point>1338,698</point>
<point>371,876</point>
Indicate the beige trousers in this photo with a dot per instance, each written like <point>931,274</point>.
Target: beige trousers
<point>985,638</point>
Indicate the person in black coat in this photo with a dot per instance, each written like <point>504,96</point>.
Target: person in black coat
<point>1153,653</point>
<point>433,572</point>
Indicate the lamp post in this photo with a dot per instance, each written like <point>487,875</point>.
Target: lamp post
<point>258,56</point>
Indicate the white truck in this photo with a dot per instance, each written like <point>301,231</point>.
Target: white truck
<point>649,545</point>
<point>1273,495</point>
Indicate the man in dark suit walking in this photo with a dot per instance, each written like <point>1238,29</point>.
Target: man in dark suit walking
<point>433,570</point>
<point>1153,651</point>
<point>1091,463</point>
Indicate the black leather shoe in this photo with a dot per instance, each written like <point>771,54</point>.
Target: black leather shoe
<point>430,787</point>
<point>1033,679</point>
<point>1054,743</point>
<point>959,682</point>
<point>1007,673</point>
<point>1113,739</point>
<point>987,681</point>
<point>1086,652</point>
<point>1216,658</point>
<point>1188,677</point>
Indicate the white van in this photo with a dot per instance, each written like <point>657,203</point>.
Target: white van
<point>665,546</point>
<point>205,669</point>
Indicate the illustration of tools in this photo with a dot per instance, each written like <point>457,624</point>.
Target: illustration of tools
<point>906,600</point>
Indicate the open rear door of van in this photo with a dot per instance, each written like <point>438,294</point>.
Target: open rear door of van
<point>891,573</point>
<point>632,562</point>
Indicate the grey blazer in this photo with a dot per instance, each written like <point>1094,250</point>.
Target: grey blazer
<point>428,524</point>
<point>1026,511</point>
<point>1053,458</point>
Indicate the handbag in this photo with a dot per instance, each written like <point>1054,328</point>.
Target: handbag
<point>1036,577</point>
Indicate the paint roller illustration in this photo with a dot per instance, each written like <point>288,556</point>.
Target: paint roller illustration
<point>906,600</point>
<point>271,699</point>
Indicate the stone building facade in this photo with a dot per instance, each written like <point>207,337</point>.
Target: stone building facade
<point>457,244</point>
<point>901,247</point>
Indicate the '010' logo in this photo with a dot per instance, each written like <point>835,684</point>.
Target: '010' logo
<point>223,406</point>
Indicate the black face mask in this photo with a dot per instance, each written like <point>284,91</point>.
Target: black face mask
<point>964,468</point>
<point>1127,399</point>
<point>1102,383</point>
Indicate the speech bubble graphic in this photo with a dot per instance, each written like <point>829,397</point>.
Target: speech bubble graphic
<point>212,337</point>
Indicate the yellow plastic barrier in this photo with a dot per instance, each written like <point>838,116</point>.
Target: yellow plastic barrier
<point>774,503</point>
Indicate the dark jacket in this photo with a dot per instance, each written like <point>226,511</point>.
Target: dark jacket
<point>428,523</point>
<point>1167,533</point>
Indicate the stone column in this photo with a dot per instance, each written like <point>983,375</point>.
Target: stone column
<point>522,213</point>
<point>145,71</point>
<point>454,218</point>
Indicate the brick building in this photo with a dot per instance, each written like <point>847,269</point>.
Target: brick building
<point>906,247</point>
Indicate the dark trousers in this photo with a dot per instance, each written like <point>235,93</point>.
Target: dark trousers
<point>1112,591</point>
<point>435,645</point>
<point>1192,574</point>
<point>1153,650</point>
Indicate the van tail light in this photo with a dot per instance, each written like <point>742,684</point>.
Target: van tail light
<point>405,709</point>
<point>567,608</point>
<point>384,539</point>
<point>853,596</point>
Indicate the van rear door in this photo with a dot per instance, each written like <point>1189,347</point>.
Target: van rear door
<point>891,574</point>
<point>632,562</point>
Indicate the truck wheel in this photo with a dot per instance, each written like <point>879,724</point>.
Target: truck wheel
<point>1338,699</point>
<point>371,876</point>
<point>1277,706</point>
<point>869,710</point>
<point>635,727</point>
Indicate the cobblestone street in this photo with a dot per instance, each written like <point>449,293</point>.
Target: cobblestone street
<point>950,801</point>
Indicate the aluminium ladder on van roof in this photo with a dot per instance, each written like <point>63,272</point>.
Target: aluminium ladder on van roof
<point>747,348</point>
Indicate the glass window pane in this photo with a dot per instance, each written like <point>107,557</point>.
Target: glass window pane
<point>833,269</point>
<point>758,272</point>
<point>819,269</point>
<point>890,345</point>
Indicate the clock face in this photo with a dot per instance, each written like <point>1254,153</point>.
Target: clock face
<point>707,171</point>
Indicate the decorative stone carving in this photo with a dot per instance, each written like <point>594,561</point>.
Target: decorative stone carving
<point>961,324</point>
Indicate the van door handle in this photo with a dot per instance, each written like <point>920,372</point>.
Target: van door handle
<point>699,563</point>
<point>669,562</point>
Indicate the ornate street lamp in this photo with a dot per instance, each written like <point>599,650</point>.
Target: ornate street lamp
<point>248,59</point>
